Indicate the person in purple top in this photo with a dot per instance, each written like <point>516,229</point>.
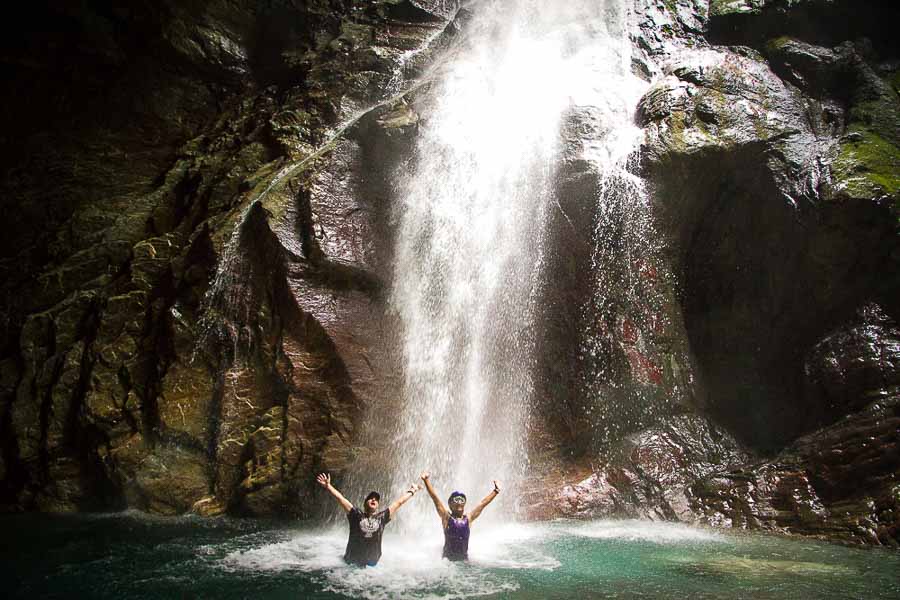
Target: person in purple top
<point>367,525</point>
<point>456,523</point>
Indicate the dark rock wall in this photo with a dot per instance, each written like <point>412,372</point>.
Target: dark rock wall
<point>771,149</point>
<point>177,331</point>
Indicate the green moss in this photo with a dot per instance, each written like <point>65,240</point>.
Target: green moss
<point>866,112</point>
<point>760,127</point>
<point>876,107</point>
<point>718,92</point>
<point>681,126</point>
<point>703,128</point>
<point>676,129</point>
<point>774,46</point>
<point>894,80</point>
<point>719,79</point>
<point>868,165</point>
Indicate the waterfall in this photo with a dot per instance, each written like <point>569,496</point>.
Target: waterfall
<point>629,311</point>
<point>471,210</point>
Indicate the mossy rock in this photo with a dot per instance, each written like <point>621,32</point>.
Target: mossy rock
<point>867,166</point>
<point>776,45</point>
<point>894,80</point>
<point>184,403</point>
<point>169,480</point>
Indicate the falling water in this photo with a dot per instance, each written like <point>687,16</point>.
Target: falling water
<point>630,327</point>
<point>628,310</point>
<point>471,216</point>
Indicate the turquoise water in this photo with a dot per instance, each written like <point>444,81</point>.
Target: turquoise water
<point>137,556</point>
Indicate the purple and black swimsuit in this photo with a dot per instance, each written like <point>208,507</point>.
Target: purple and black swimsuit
<point>456,538</point>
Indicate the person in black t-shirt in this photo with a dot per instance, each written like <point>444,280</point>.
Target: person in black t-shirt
<point>367,525</point>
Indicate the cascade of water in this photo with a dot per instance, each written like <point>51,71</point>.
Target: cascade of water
<point>471,213</point>
<point>628,311</point>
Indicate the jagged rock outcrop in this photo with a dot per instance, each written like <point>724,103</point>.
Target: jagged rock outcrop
<point>648,474</point>
<point>773,169</point>
<point>839,481</point>
<point>195,253</point>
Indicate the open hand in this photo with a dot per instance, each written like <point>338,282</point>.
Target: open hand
<point>414,488</point>
<point>425,475</point>
<point>496,486</point>
<point>324,479</point>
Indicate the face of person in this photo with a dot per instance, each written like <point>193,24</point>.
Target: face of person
<point>372,505</point>
<point>457,506</point>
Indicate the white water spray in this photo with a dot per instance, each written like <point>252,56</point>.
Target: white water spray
<point>471,225</point>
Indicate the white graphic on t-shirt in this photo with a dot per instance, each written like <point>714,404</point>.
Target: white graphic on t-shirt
<point>369,526</point>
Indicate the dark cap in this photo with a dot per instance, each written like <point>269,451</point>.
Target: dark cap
<point>371,495</point>
<point>455,495</point>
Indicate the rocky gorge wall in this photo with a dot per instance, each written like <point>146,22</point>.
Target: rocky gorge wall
<point>771,149</point>
<point>193,313</point>
<point>200,239</point>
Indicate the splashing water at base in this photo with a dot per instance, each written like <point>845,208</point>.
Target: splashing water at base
<point>407,568</point>
<point>132,556</point>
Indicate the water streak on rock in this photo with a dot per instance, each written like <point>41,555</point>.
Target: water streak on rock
<point>226,322</point>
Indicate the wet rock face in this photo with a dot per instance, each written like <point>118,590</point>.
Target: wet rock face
<point>614,356</point>
<point>856,364</point>
<point>825,22</point>
<point>647,474</point>
<point>778,131</point>
<point>137,189</point>
<point>772,165</point>
<point>838,483</point>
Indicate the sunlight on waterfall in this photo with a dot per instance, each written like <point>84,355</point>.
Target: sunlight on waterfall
<point>471,210</point>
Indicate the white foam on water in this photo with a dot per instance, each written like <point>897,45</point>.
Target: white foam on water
<point>306,552</point>
<point>409,567</point>
<point>413,567</point>
<point>633,530</point>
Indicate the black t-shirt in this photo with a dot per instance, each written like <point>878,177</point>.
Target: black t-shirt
<point>364,544</point>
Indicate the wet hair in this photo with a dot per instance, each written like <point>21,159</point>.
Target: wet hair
<point>371,495</point>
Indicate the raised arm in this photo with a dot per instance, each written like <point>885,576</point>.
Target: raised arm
<point>484,502</point>
<point>442,511</point>
<point>324,480</point>
<point>396,504</point>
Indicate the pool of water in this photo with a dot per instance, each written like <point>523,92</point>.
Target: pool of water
<point>131,555</point>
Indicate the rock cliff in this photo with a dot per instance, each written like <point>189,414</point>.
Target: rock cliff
<point>199,196</point>
<point>771,149</point>
<point>194,263</point>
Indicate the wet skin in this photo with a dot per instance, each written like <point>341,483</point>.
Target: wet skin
<point>371,506</point>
